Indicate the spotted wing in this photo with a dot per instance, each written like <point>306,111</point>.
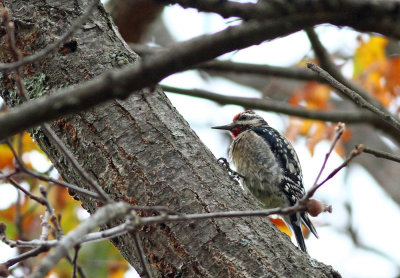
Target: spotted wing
<point>292,181</point>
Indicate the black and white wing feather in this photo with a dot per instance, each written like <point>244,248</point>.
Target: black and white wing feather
<point>292,180</point>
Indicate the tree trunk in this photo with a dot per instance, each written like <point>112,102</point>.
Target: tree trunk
<point>142,151</point>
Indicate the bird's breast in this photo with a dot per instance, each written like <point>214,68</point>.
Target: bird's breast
<point>252,157</point>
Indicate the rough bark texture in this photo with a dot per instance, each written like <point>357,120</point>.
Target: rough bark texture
<point>142,151</point>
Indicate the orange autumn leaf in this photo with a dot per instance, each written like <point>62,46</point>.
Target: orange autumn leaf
<point>6,157</point>
<point>314,95</point>
<point>369,55</point>
<point>295,98</point>
<point>393,76</point>
<point>61,197</point>
<point>119,273</point>
<point>318,133</point>
<point>8,214</point>
<point>305,127</point>
<point>293,130</point>
<point>346,135</point>
<point>280,224</point>
<point>117,269</point>
<point>375,71</point>
<point>28,144</point>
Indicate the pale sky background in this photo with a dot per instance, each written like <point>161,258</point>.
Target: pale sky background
<point>333,247</point>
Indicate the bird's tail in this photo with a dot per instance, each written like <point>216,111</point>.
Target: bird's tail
<point>295,223</point>
<point>308,224</point>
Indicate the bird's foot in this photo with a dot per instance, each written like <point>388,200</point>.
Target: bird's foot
<point>232,173</point>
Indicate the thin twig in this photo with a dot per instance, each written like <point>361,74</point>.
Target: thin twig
<point>18,216</point>
<point>8,175</point>
<point>339,132</point>
<point>17,55</point>
<point>327,64</point>
<point>24,168</point>
<point>56,224</point>
<point>26,192</point>
<point>102,216</point>
<point>276,106</point>
<point>74,261</point>
<point>92,183</point>
<point>355,152</point>
<point>356,98</point>
<point>45,225</point>
<point>63,183</point>
<point>380,154</point>
<point>52,47</point>
<point>26,255</point>
<point>146,269</point>
<point>49,211</point>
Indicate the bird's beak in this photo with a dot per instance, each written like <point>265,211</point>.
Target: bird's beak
<point>224,127</point>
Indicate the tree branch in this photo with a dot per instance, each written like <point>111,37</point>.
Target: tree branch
<point>84,174</point>
<point>362,15</point>
<point>381,154</point>
<point>100,217</point>
<point>356,98</point>
<point>24,168</point>
<point>147,72</point>
<point>277,106</point>
<point>151,70</point>
<point>327,64</point>
<point>296,73</point>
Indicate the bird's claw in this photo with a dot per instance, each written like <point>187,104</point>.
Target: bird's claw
<point>232,173</point>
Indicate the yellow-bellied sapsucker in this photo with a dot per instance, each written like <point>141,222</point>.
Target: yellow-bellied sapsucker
<point>269,166</point>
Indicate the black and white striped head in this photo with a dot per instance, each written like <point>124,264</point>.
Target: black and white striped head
<point>243,121</point>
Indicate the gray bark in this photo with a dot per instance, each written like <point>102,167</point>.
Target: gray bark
<point>142,151</point>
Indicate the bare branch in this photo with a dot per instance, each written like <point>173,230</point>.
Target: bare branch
<point>380,154</point>
<point>26,192</point>
<point>24,168</point>
<point>276,106</point>
<point>339,132</point>
<point>328,65</point>
<point>146,269</point>
<point>297,73</point>
<point>96,187</point>
<point>355,97</point>
<point>26,255</point>
<point>357,151</point>
<point>368,13</point>
<point>74,261</point>
<point>100,217</point>
<point>146,72</point>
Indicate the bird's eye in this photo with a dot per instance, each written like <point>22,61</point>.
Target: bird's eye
<point>243,117</point>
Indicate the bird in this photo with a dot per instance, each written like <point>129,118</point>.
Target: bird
<point>269,168</point>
